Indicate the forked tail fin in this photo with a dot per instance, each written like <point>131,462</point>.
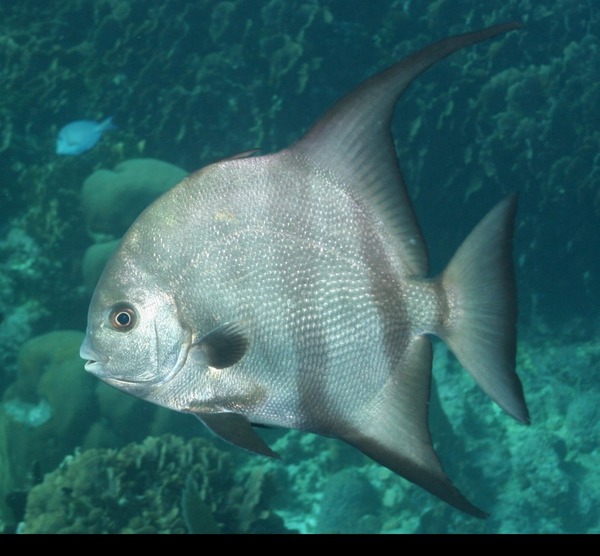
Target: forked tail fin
<point>480,327</point>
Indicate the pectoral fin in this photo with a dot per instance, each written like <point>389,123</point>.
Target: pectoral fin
<point>222,347</point>
<point>236,429</point>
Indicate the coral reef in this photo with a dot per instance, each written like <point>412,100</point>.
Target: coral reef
<point>22,267</point>
<point>46,411</point>
<point>162,485</point>
<point>350,505</point>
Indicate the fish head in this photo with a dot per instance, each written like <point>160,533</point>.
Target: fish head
<point>135,340</point>
<point>65,144</point>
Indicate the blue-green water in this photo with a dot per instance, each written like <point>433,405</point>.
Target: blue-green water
<point>191,82</point>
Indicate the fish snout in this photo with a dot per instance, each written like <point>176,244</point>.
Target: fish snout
<point>93,361</point>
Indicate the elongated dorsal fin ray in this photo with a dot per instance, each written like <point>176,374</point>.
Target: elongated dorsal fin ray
<point>354,142</point>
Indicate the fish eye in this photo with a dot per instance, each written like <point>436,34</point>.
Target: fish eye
<point>123,317</point>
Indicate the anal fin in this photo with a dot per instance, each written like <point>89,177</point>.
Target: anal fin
<point>397,432</point>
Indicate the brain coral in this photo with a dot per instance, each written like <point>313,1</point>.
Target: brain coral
<point>113,199</point>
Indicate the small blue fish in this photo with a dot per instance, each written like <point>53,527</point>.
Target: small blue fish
<point>81,135</point>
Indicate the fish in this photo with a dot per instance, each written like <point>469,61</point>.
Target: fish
<point>292,290</point>
<point>82,135</point>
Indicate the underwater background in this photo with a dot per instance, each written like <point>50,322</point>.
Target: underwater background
<point>189,82</point>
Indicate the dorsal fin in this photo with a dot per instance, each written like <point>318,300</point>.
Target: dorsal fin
<point>353,141</point>
<point>237,156</point>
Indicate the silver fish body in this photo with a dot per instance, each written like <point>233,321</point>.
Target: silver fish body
<point>291,290</point>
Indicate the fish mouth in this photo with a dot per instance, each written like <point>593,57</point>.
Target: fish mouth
<point>92,366</point>
<point>93,363</point>
<point>98,369</point>
<point>95,367</point>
